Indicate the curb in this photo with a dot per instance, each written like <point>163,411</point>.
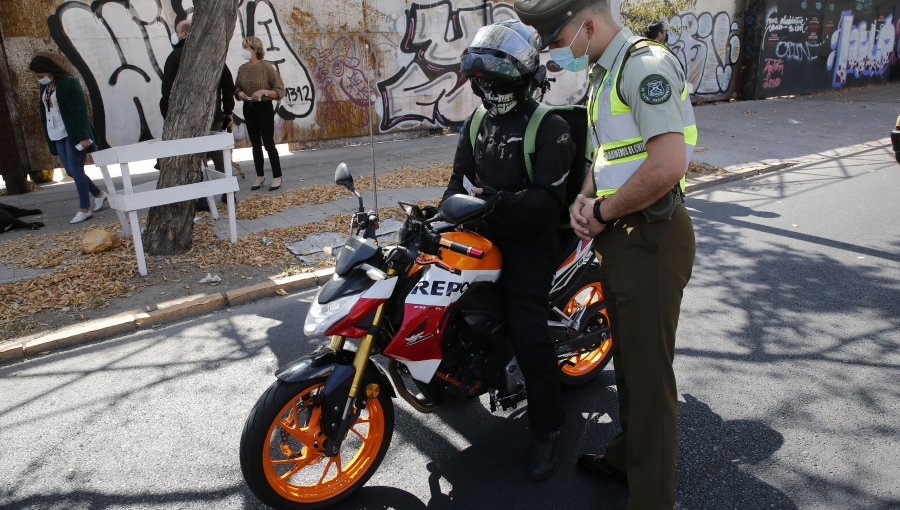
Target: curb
<point>743,171</point>
<point>167,312</point>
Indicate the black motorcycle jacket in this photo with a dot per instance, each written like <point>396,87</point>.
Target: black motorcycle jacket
<point>498,162</point>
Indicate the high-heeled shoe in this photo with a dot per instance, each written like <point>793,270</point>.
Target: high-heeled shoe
<point>257,185</point>
<point>274,186</point>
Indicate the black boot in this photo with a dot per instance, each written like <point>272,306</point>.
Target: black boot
<point>544,455</point>
<point>598,465</point>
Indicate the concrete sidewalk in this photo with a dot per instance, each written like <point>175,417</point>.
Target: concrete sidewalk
<point>744,138</point>
<point>733,135</point>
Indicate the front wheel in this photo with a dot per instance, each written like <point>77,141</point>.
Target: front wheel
<point>585,366</point>
<point>282,447</point>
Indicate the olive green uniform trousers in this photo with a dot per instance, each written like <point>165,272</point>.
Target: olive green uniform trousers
<point>645,267</point>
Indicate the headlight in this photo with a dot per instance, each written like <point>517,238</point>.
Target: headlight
<point>321,317</point>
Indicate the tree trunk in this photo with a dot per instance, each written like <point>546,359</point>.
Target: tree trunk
<point>12,143</point>
<point>170,228</point>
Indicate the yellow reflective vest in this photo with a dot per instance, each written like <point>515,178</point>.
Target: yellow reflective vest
<point>622,149</point>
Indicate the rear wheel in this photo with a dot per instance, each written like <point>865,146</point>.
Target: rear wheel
<point>282,447</point>
<point>585,366</point>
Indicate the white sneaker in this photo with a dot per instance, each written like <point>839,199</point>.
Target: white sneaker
<point>98,201</point>
<point>81,216</point>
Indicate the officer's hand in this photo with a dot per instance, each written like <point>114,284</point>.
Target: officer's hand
<point>593,226</point>
<point>584,209</point>
<point>576,218</point>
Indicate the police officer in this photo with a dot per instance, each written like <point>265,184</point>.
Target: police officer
<point>644,132</point>
<point>502,64</point>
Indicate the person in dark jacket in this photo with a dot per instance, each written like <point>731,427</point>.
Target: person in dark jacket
<point>67,128</point>
<point>658,31</point>
<point>502,64</point>
<point>224,106</point>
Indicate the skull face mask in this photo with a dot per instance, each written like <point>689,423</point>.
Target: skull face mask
<point>497,98</point>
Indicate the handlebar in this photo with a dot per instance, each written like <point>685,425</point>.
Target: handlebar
<point>468,251</point>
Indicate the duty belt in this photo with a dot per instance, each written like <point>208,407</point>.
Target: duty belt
<point>662,209</point>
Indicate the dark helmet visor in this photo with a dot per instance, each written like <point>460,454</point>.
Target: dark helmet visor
<point>488,64</point>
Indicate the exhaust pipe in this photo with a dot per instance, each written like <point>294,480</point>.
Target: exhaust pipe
<point>403,391</point>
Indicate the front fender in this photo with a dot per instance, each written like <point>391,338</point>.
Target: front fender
<point>336,367</point>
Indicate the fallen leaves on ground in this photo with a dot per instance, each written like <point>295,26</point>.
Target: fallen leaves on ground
<point>76,282</point>
<point>696,168</point>
<point>261,205</point>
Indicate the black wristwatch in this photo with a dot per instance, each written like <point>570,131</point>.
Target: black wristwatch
<point>597,214</point>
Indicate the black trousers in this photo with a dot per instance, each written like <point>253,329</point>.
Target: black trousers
<point>644,269</point>
<point>260,119</point>
<point>528,268</point>
<point>217,157</point>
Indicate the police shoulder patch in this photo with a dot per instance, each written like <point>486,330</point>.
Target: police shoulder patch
<point>655,89</point>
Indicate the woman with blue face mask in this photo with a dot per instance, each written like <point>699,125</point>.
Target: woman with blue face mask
<point>67,128</point>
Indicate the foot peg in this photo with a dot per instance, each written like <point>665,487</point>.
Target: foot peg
<point>506,402</point>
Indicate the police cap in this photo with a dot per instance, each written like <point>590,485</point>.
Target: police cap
<point>548,16</point>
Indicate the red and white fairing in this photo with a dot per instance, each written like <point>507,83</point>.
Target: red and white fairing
<point>341,316</point>
<point>418,341</point>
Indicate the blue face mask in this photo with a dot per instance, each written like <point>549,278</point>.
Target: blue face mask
<point>567,60</point>
<point>45,81</point>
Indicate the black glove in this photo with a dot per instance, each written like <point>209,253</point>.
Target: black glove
<point>429,211</point>
<point>494,200</point>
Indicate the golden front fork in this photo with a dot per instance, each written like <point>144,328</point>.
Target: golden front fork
<point>362,354</point>
<point>365,348</point>
<point>336,343</point>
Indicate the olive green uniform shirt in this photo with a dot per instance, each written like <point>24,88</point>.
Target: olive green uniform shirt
<point>652,119</point>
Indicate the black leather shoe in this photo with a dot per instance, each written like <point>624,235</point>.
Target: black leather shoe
<point>544,455</point>
<point>598,465</point>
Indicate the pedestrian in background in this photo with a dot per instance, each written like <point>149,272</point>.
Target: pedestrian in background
<point>224,102</point>
<point>258,85</point>
<point>658,32</point>
<point>631,204</point>
<point>67,128</point>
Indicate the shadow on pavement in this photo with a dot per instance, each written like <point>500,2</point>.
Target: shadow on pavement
<point>491,472</point>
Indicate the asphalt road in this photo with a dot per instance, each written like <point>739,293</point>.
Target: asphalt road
<point>787,363</point>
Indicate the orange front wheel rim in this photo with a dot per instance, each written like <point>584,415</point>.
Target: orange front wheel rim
<point>583,363</point>
<point>293,459</point>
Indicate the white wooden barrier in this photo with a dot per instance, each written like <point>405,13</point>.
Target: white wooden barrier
<point>131,199</point>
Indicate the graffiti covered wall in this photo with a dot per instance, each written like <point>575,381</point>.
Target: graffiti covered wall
<point>391,64</point>
<point>805,46</point>
<point>707,41</point>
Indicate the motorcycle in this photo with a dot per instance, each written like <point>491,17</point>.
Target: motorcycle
<point>430,305</point>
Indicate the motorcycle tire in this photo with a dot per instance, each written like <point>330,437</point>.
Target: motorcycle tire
<point>281,449</point>
<point>583,368</point>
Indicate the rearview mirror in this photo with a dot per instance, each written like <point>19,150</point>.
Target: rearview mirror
<point>342,177</point>
<point>459,209</point>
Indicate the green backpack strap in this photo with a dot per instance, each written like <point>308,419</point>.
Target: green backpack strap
<point>531,135</point>
<point>475,124</point>
<point>534,123</point>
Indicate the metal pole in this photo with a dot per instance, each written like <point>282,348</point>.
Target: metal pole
<point>371,135</point>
